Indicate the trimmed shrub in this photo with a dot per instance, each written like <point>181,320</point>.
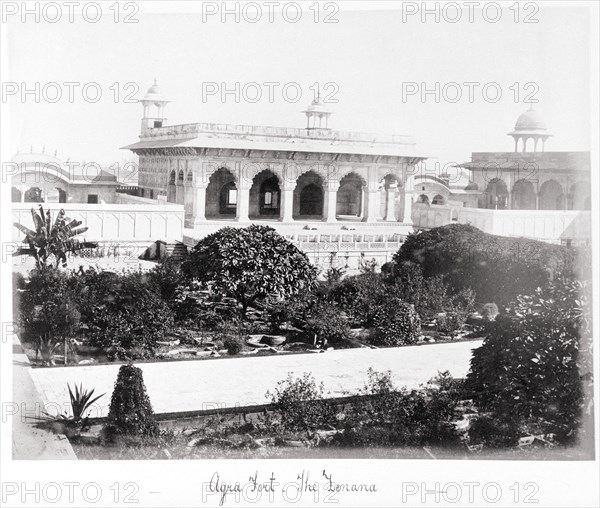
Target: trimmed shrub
<point>233,345</point>
<point>497,268</point>
<point>396,323</point>
<point>130,412</point>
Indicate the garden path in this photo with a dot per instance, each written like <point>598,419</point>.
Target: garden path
<point>29,442</point>
<point>197,385</point>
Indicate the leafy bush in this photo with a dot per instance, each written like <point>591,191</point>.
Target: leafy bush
<point>396,323</point>
<point>430,296</point>
<point>315,317</point>
<point>534,369</point>
<point>301,405</point>
<point>386,415</point>
<point>49,310</point>
<point>493,433</point>
<point>497,268</point>
<point>359,295</point>
<point>123,314</point>
<point>451,323</point>
<point>325,322</point>
<point>248,264</point>
<point>130,410</point>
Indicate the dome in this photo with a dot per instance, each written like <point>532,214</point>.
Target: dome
<point>154,93</point>
<point>316,107</point>
<point>530,120</point>
<point>154,89</point>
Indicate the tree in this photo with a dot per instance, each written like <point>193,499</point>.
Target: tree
<point>130,411</point>
<point>49,311</point>
<point>248,264</point>
<point>123,314</point>
<point>51,239</point>
<point>534,372</point>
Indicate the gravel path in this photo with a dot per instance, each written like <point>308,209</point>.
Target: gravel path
<point>198,385</point>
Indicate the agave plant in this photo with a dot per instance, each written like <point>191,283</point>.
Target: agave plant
<point>81,401</point>
<point>51,239</point>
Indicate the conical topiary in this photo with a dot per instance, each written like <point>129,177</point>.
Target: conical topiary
<point>130,410</point>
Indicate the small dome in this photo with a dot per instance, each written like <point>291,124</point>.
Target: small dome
<point>530,120</point>
<point>154,93</point>
<point>155,89</point>
<point>316,106</point>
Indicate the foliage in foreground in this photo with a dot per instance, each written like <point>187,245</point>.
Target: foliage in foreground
<point>533,373</point>
<point>380,415</point>
<point>130,412</point>
<point>386,415</point>
<point>301,404</point>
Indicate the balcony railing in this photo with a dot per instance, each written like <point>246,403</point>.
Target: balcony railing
<point>194,129</point>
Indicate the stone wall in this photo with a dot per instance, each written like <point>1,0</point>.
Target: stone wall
<point>113,223</point>
<point>549,225</point>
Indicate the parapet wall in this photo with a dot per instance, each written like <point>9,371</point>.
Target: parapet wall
<point>130,223</point>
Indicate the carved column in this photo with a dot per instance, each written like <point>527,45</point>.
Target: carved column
<point>286,209</point>
<point>243,203</point>
<point>390,211</point>
<point>372,209</point>
<point>408,197</point>
<point>329,210</point>
<point>199,205</point>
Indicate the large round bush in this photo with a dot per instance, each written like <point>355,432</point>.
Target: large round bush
<point>249,264</point>
<point>497,268</point>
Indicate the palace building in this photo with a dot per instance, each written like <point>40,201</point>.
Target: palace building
<point>246,173</point>
<point>38,176</point>
<point>527,192</point>
<point>531,178</point>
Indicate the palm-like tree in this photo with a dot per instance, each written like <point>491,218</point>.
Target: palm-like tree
<point>51,239</point>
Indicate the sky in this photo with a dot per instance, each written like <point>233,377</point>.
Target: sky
<point>370,55</point>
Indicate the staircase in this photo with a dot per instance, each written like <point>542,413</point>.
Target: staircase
<point>176,251</point>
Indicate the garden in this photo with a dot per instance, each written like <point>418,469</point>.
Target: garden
<point>243,292</point>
